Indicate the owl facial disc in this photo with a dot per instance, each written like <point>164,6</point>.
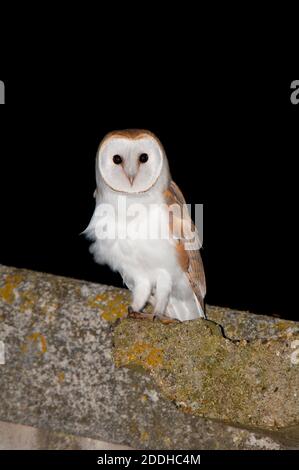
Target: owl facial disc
<point>130,165</point>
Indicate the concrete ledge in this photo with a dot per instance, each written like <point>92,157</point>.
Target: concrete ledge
<point>59,374</point>
<point>252,384</point>
<point>20,437</point>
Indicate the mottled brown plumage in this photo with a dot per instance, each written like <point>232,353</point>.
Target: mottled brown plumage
<point>190,260</point>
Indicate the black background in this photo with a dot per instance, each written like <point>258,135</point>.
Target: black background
<point>232,143</point>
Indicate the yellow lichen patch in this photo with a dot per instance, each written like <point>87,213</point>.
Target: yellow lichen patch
<point>144,436</point>
<point>61,376</point>
<point>35,337</point>
<point>7,291</point>
<point>28,300</point>
<point>113,304</point>
<point>283,325</point>
<point>24,348</point>
<point>115,309</point>
<point>167,441</point>
<point>143,354</point>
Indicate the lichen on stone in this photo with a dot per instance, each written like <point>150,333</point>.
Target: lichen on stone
<point>7,290</point>
<point>247,383</point>
<point>112,304</point>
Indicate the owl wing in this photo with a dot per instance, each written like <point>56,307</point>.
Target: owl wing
<point>190,260</point>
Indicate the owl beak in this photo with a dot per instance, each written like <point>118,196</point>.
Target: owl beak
<point>131,179</point>
<point>130,171</point>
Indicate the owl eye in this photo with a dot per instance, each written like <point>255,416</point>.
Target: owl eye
<point>143,158</point>
<point>117,159</point>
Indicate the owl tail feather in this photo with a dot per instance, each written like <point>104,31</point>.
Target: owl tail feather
<point>185,310</point>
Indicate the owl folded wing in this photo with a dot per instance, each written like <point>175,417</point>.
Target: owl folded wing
<point>183,229</point>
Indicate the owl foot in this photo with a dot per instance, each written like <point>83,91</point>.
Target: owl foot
<point>150,316</point>
<point>139,315</point>
<point>166,320</point>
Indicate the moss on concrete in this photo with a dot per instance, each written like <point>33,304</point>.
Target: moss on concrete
<point>246,383</point>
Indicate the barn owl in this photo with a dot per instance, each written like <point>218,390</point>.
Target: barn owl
<point>135,190</point>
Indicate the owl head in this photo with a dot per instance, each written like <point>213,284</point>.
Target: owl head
<point>132,161</point>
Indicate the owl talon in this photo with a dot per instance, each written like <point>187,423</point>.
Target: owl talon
<point>166,320</point>
<point>130,312</point>
<point>151,316</point>
<point>139,315</point>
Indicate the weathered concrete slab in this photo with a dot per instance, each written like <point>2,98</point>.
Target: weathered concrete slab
<point>59,373</point>
<point>250,384</point>
<point>20,437</point>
